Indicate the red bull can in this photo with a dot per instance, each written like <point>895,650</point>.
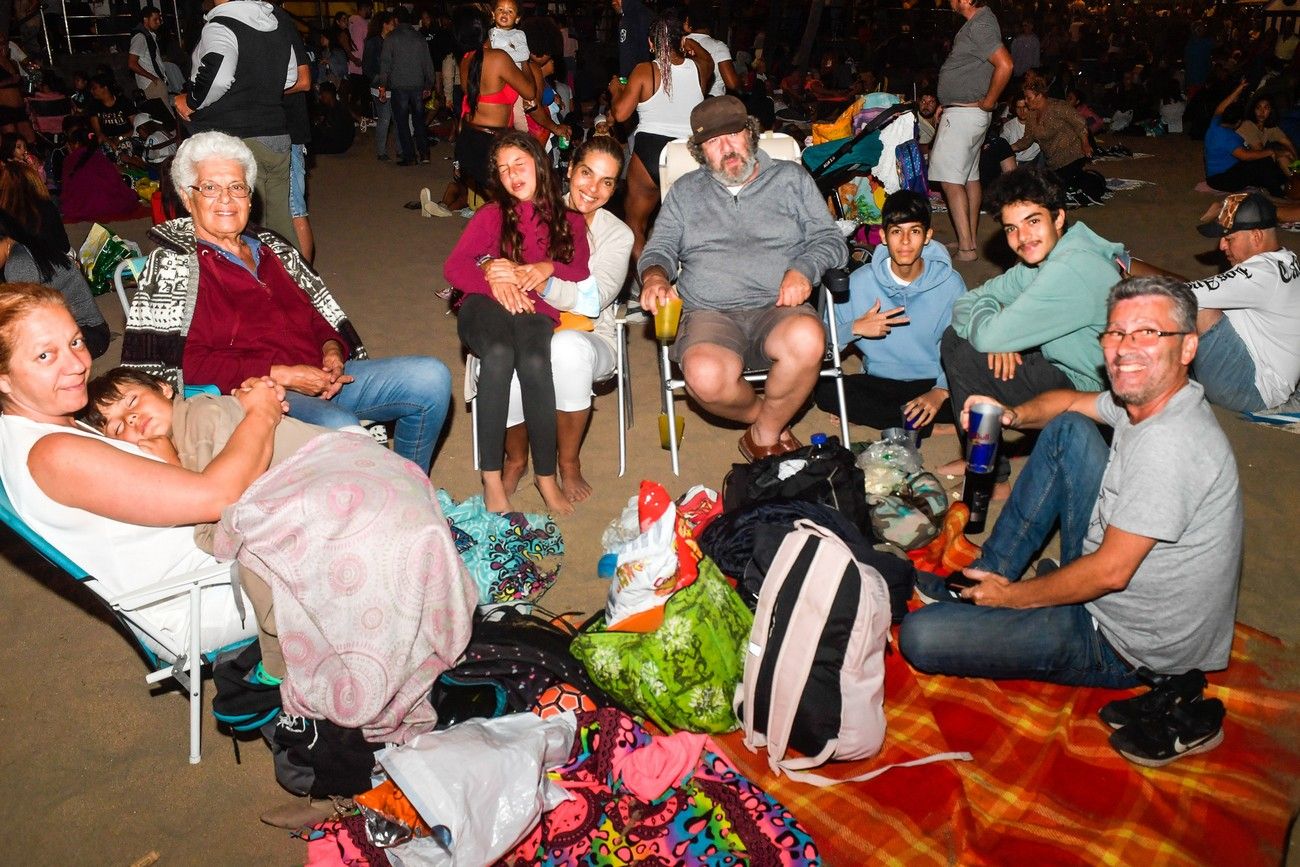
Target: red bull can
<point>983,433</point>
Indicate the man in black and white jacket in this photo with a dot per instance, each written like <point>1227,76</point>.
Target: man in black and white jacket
<point>241,68</point>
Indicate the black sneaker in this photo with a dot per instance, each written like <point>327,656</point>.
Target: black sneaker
<point>1190,728</point>
<point>1167,691</point>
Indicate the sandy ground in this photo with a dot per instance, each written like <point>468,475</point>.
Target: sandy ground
<point>95,759</point>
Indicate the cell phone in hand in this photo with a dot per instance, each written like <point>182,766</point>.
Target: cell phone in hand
<point>957,583</point>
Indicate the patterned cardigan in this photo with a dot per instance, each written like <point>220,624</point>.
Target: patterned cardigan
<point>163,306</point>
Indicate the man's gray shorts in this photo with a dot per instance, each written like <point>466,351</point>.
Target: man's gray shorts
<point>740,332</point>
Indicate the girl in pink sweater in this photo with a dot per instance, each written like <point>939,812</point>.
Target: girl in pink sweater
<point>506,322</point>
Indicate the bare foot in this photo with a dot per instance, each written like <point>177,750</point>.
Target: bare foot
<point>1001,491</point>
<point>953,468</point>
<point>553,495</point>
<point>575,486</point>
<point>943,430</point>
<point>511,473</point>
<point>495,498</point>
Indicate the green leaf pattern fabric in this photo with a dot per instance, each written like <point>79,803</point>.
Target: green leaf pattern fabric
<point>684,674</point>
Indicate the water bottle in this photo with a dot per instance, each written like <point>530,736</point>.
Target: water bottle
<point>985,431</point>
<point>818,443</point>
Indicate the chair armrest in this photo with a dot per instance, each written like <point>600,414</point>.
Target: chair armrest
<point>208,576</point>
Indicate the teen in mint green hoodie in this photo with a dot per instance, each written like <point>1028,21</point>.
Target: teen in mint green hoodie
<point>898,308</point>
<point>1035,328</point>
<point>1055,297</point>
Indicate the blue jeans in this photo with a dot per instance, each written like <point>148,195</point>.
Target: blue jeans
<point>297,181</point>
<point>1226,371</point>
<point>383,121</point>
<point>1058,644</point>
<point>408,112</point>
<point>412,390</point>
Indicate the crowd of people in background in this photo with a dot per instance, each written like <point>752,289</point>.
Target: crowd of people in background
<point>1010,103</point>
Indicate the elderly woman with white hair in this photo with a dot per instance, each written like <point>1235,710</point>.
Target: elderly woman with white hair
<point>221,301</point>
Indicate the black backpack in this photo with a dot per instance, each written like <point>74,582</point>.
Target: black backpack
<point>831,477</point>
<point>512,658</point>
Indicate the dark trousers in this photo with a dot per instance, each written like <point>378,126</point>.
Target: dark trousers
<point>1251,173</point>
<point>876,402</point>
<point>508,343</point>
<point>408,111</point>
<point>968,373</point>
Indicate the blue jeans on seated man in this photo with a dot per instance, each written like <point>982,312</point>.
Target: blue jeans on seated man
<point>1226,371</point>
<point>412,390</point>
<point>1060,644</point>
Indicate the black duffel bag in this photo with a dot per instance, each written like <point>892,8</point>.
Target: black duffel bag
<point>830,476</point>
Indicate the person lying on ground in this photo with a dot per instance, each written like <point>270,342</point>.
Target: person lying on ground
<point>1151,527</point>
<point>746,237</point>
<point>898,309</point>
<point>1034,328</point>
<point>220,301</point>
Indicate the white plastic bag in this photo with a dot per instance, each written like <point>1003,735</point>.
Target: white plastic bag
<point>484,781</point>
<point>647,566</point>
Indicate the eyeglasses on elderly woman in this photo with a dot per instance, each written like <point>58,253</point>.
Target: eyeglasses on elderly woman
<point>210,190</point>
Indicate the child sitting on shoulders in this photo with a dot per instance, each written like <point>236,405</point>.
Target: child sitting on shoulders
<point>513,41</point>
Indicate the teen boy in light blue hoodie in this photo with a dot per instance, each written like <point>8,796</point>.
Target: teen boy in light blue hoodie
<point>899,306</point>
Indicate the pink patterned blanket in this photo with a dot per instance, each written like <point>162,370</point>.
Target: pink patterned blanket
<point>372,602</point>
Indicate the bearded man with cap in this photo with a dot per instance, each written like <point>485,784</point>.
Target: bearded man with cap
<point>744,238</point>
<point>1249,319</point>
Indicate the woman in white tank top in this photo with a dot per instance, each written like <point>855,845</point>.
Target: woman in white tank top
<point>123,516</point>
<point>662,92</point>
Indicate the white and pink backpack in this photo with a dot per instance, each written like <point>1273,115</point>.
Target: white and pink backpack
<point>815,666</point>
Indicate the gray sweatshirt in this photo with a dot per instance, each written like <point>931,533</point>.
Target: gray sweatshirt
<point>733,250</point>
<point>21,268</point>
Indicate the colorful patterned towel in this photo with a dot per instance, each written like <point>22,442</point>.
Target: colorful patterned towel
<point>1045,786</point>
<point>713,818</point>
<point>511,557</point>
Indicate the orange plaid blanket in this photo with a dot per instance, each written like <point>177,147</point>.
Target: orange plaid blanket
<point>1045,787</point>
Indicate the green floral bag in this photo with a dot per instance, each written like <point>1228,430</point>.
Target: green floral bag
<point>684,674</point>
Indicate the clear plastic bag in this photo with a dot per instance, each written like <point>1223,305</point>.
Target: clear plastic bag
<point>887,465</point>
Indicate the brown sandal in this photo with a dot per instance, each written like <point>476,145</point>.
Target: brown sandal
<point>752,451</point>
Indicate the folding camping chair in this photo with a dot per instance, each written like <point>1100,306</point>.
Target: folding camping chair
<point>181,662</point>
<point>622,376</point>
<point>674,161</point>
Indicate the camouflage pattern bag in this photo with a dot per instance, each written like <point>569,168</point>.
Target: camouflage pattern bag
<point>912,516</point>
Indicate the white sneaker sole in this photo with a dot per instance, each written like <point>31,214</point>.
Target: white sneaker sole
<point>1203,747</point>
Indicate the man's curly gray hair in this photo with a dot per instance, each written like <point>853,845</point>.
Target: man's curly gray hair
<point>210,145</point>
<point>755,130</point>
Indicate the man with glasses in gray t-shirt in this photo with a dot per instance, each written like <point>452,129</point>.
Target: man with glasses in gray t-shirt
<point>1150,533</point>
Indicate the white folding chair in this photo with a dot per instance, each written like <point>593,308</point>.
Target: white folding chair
<point>622,376</point>
<point>675,160</point>
<point>179,661</point>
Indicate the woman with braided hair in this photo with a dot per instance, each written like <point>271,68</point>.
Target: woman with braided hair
<point>662,91</point>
